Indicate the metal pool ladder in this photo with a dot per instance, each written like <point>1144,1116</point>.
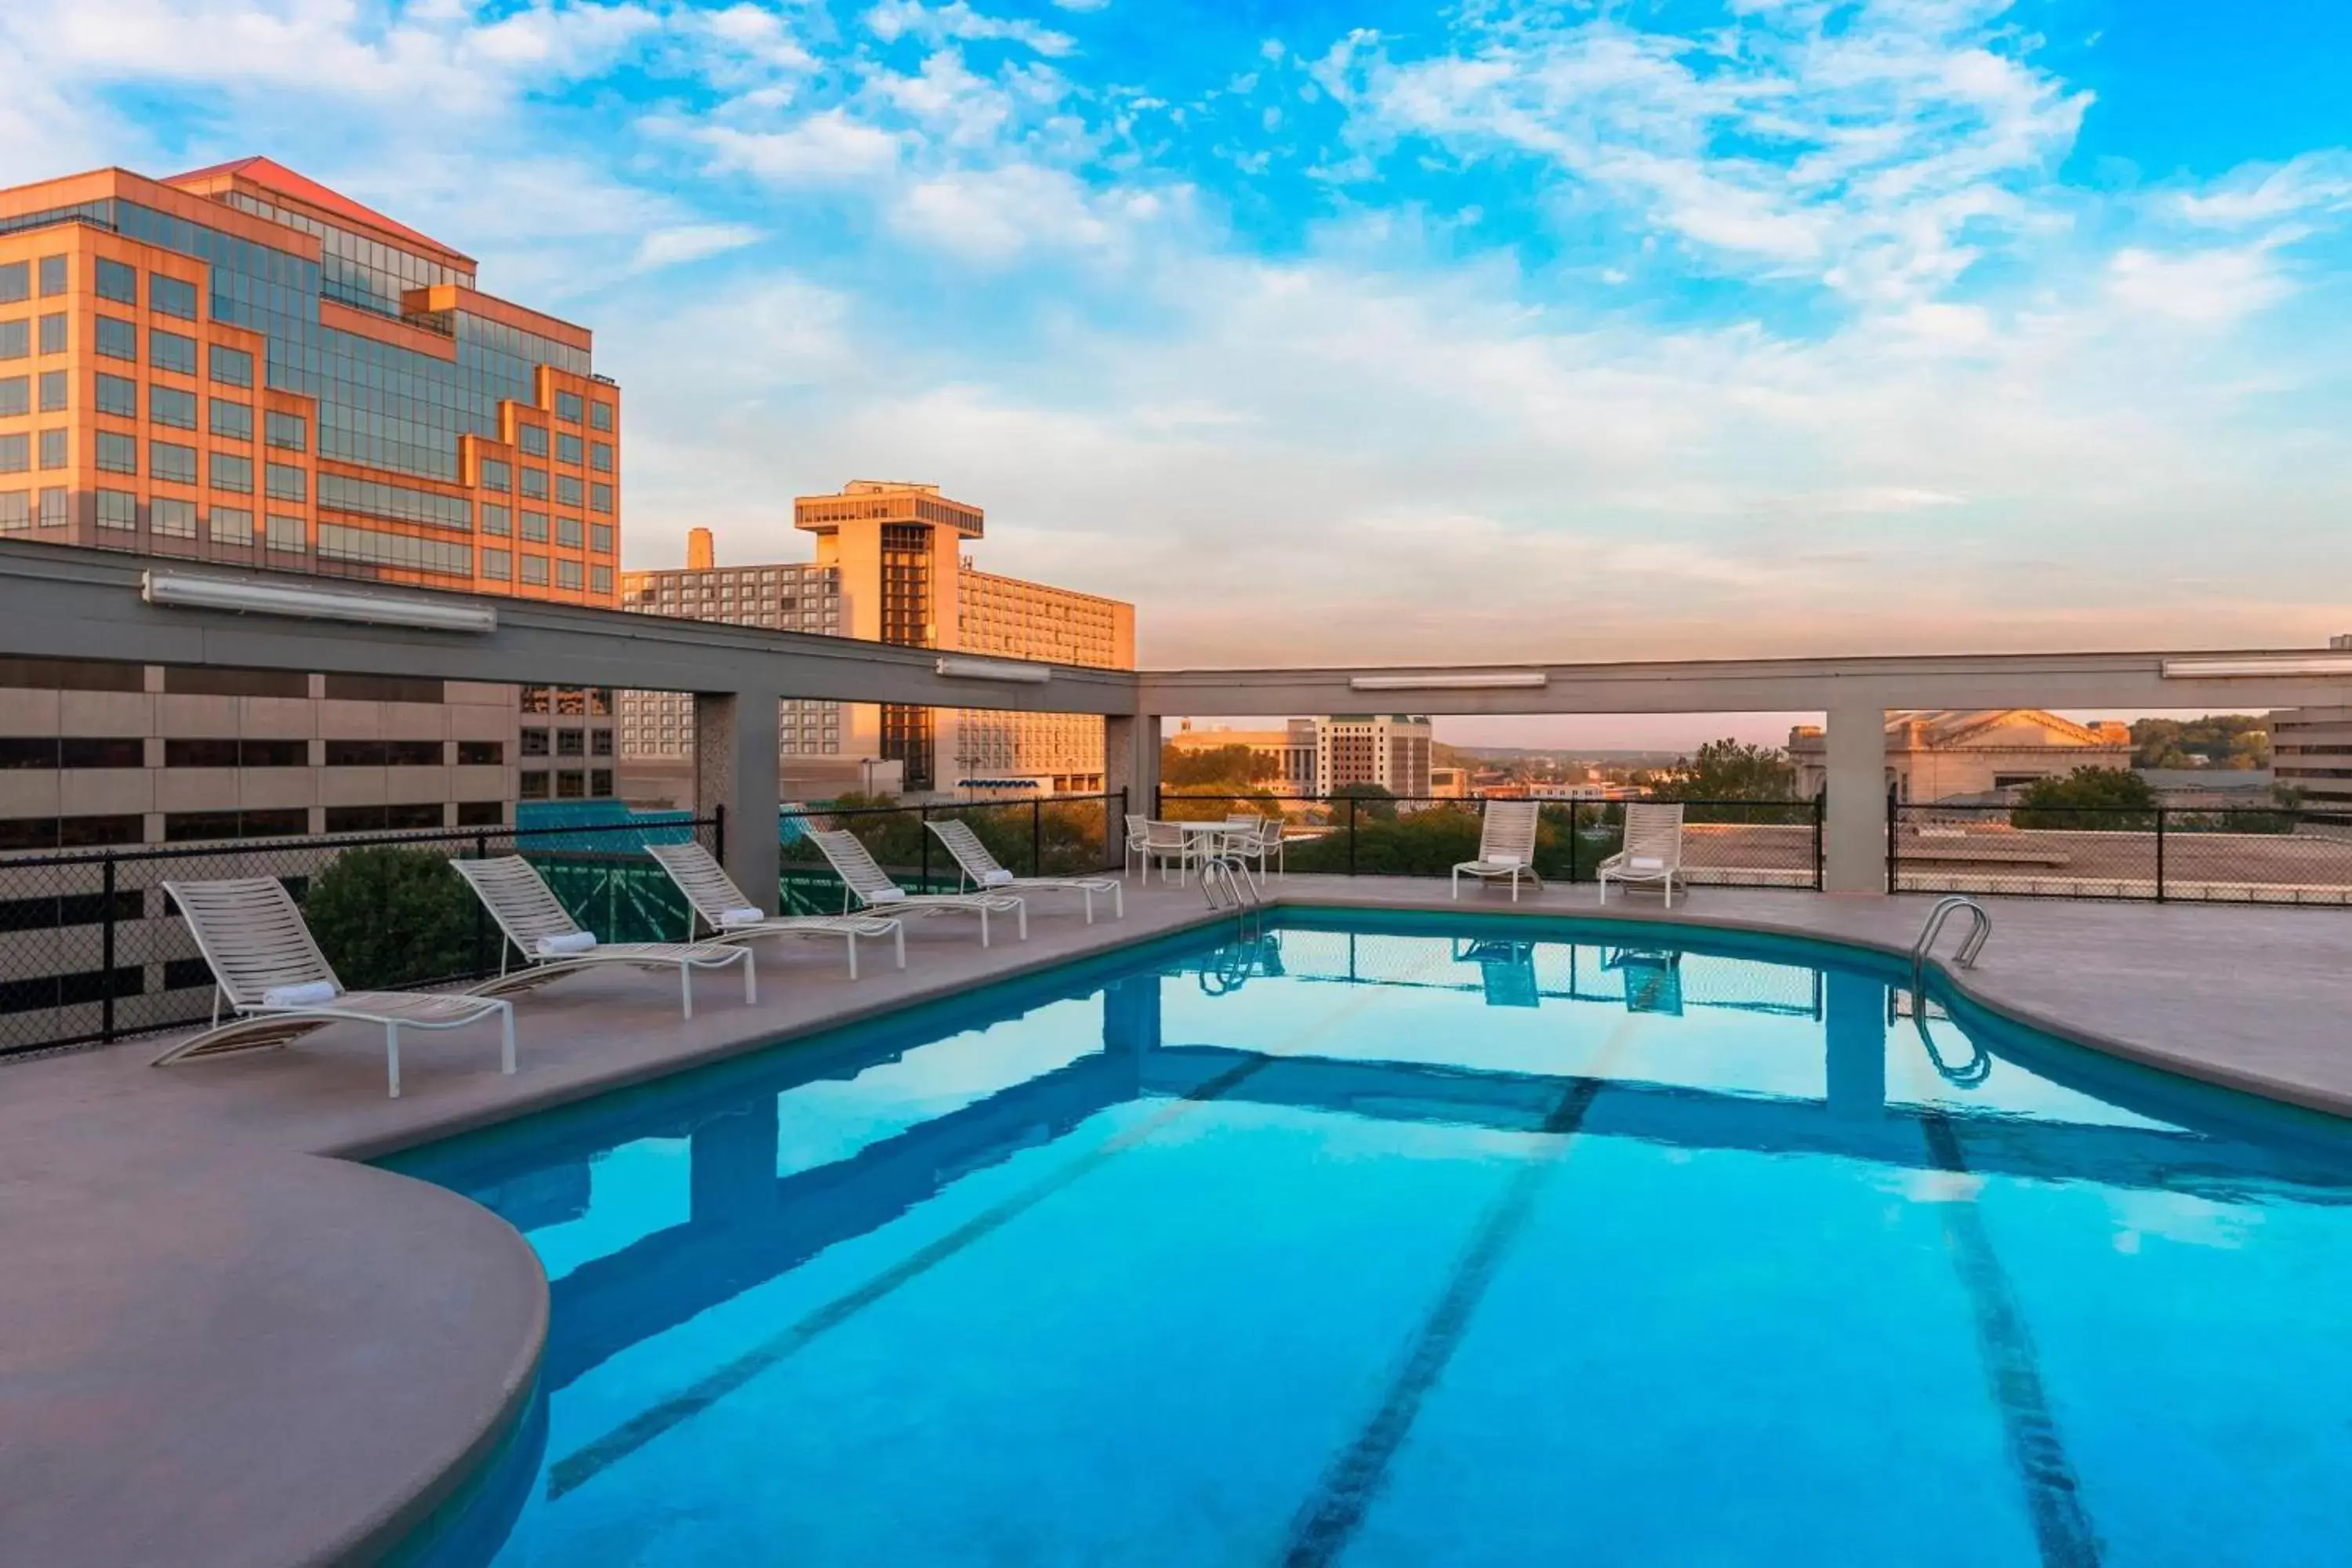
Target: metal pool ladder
<point>1227,884</point>
<point>1970,945</point>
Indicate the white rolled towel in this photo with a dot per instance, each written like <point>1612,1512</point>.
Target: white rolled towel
<point>566,945</point>
<point>887,896</point>
<point>309,993</point>
<point>1506,860</point>
<point>1647,863</point>
<point>744,916</point>
<point>997,878</point>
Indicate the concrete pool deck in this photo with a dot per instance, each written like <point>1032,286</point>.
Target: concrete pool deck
<point>229,1344</point>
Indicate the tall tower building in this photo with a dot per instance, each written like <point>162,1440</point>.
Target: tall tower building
<point>241,366</point>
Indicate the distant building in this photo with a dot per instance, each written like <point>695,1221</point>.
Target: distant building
<point>2311,753</point>
<point>1941,753</point>
<point>888,568</point>
<point>1390,751</point>
<point>1288,753</point>
<point>1449,783</point>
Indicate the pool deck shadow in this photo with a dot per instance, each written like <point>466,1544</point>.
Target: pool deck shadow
<point>229,1344</point>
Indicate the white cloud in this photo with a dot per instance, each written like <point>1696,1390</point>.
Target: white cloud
<point>895,20</point>
<point>2204,288</point>
<point>691,242</point>
<point>2313,184</point>
<point>827,147</point>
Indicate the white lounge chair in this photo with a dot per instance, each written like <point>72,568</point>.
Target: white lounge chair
<point>551,942</point>
<point>1506,845</point>
<point>269,971</point>
<point>977,867</point>
<point>872,887</point>
<point>713,899</point>
<point>1651,851</point>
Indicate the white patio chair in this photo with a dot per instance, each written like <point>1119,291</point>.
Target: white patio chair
<point>269,970</point>
<point>551,942</point>
<point>864,880</point>
<point>976,865</point>
<point>1506,845</point>
<point>1651,851</point>
<point>1165,842</point>
<point>1139,838</point>
<point>713,899</point>
<point>1256,840</point>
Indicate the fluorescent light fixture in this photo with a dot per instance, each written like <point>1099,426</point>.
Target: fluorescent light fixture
<point>249,597</point>
<point>1467,680</point>
<point>994,669</point>
<point>2258,665</point>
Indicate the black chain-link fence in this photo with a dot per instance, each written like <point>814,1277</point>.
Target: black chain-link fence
<point>92,949</point>
<point>1725,843</point>
<point>2249,855</point>
<point>1065,836</point>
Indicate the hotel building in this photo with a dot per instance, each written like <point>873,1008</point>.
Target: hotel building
<point>243,368</point>
<point>890,567</point>
<point>1387,749</point>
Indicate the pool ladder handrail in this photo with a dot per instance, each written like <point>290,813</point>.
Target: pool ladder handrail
<point>1227,883</point>
<point>1970,945</point>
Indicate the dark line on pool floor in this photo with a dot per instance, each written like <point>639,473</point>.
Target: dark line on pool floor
<point>1331,1518</point>
<point>584,1464</point>
<point>2054,1498</point>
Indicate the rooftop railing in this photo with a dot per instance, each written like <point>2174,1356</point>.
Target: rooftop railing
<point>2278,854</point>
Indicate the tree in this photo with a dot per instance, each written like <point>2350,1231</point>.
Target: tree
<point>389,916</point>
<point>2099,800</point>
<point>1374,803</point>
<point>1728,769</point>
<point>2216,740</point>
<point>1213,768</point>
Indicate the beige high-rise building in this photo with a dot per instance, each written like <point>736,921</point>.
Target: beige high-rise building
<point>1387,749</point>
<point>890,567</point>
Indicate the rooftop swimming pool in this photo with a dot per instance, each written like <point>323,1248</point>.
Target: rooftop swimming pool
<point>1399,1239</point>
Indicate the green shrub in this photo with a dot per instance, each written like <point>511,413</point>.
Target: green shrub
<point>387,916</point>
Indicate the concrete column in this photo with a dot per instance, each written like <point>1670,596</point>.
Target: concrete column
<point>1856,1043</point>
<point>732,1173</point>
<point>735,741</point>
<point>1130,1027</point>
<point>1131,762</point>
<point>1854,846</point>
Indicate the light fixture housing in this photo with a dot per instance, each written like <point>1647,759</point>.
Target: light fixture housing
<point>1461,680</point>
<point>2254,666</point>
<point>243,596</point>
<point>994,669</point>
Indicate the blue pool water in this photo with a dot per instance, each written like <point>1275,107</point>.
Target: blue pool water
<point>1391,1240</point>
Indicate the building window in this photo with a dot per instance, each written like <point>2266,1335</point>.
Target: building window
<point>171,516</point>
<point>291,431</point>
<point>600,456</point>
<point>534,528</point>
<point>54,340</point>
<point>115,340</point>
<point>285,482</point>
<point>537,699</point>
<point>232,526</point>
<point>567,489</point>
<point>481,753</point>
<point>571,743</point>
<point>232,473</point>
<point>496,565</point>
<point>600,742</point>
<point>567,448</point>
<point>533,740</point>
<point>174,352</point>
<point>481,814</point>
<point>600,782</point>
<point>118,508</point>
<point>15,396</point>
<point>56,508</point>
<point>169,460</point>
<point>532,785</point>
<point>600,701</point>
<point>567,533</point>
<point>286,822</point>
<point>570,784</point>
<point>16,283</point>
<point>232,367</point>
<point>170,406</point>
<point>53,450</point>
<point>534,484</point>
<point>17,453</point>
<point>118,395</point>
<point>600,416</point>
<point>567,574</point>
<point>600,579</point>
<point>497,520</point>
<point>116,454</point>
<point>600,538</point>
<point>567,407</point>
<point>341,541</point>
<point>53,390</point>
<point>534,570</point>
<point>231,420</point>
<point>599,498</point>
<point>496,475</point>
<point>287,533</point>
<point>53,275</point>
<point>16,511</point>
<point>170,296</point>
<point>531,440</point>
<point>16,342</point>
<point>117,282</point>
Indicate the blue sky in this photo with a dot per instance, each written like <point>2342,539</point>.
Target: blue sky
<point>1388,331</point>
